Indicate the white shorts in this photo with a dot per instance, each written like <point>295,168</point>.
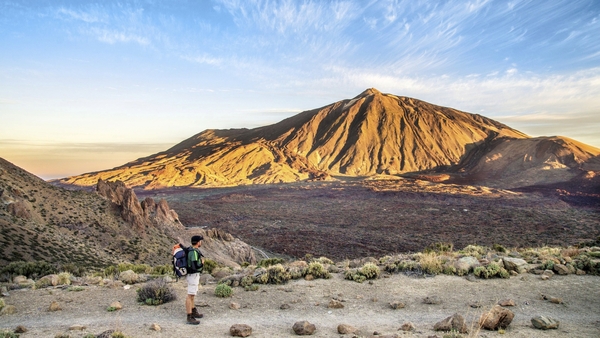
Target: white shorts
<point>193,281</point>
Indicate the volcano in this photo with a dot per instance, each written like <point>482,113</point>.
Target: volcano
<point>371,135</point>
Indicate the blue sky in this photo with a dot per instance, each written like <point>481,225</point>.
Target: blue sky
<point>86,86</point>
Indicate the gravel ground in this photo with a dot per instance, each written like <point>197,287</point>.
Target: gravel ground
<point>366,306</point>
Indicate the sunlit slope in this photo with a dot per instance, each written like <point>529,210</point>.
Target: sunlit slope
<point>368,135</point>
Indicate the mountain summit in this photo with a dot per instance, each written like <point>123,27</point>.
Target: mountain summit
<point>370,134</point>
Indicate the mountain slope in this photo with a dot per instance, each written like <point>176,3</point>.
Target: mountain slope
<point>371,134</point>
<point>39,221</point>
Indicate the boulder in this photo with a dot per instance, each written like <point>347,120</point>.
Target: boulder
<point>335,304</point>
<point>116,305</point>
<point>507,302</point>
<point>497,318</point>
<point>346,329</point>
<point>544,323</point>
<point>561,269</point>
<point>433,300</point>
<point>54,306</point>
<point>19,279</point>
<point>454,322</point>
<point>304,328</point>
<point>20,329</point>
<point>515,264</point>
<point>240,330</point>
<point>466,263</point>
<point>77,327</point>
<point>408,326</point>
<point>547,274</point>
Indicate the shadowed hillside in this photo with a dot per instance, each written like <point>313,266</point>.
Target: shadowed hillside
<point>41,222</point>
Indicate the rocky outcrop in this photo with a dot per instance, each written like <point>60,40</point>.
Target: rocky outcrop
<point>139,215</point>
<point>222,247</point>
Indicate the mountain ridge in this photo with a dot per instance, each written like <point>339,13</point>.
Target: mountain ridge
<point>370,134</point>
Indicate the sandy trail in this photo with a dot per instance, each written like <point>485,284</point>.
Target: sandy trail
<point>366,306</point>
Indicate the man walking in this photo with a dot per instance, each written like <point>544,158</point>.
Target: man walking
<point>195,264</point>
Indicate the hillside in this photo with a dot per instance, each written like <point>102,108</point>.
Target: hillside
<point>39,221</point>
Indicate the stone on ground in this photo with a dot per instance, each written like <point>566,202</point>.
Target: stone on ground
<point>454,322</point>
<point>346,329</point>
<point>497,318</point>
<point>544,323</point>
<point>304,328</point>
<point>240,330</point>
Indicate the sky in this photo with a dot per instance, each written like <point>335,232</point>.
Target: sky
<point>87,86</point>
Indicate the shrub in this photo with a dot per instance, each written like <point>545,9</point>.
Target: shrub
<point>439,247</point>
<point>430,263</point>
<point>246,281</point>
<point>317,270</point>
<point>64,278</point>
<point>75,270</point>
<point>29,269</point>
<point>499,248</point>
<point>110,272</point>
<point>156,292</point>
<point>270,261</point>
<point>355,275</point>
<point>449,270</point>
<point>548,265</point>
<point>370,271</point>
<point>75,288</point>
<point>474,250</point>
<point>8,334</point>
<point>209,265</point>
<point>162,270</point>
<point>297,272</point>
<point>278,274</point>
<point>481,272</point>
<point>252,287</point>
<point>111,309</point>
<point>223,291</point>
<point>2,304</point>
<point>324,260</point>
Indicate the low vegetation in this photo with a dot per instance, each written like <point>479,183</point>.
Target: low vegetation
<point>156,292</point>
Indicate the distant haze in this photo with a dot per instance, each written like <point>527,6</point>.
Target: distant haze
<point>87,86</point>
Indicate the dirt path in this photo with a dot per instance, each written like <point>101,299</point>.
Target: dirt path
<point>366,306</point>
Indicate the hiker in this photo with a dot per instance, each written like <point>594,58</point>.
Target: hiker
<point>195,263</point>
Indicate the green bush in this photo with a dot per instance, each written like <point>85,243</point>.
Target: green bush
<point>370,271</point>
<point>156,292</point>
<point>75,288</point>
<point>317,270</point>
<point>252,287</point>
<point>439,247</point>
<point>499,248</point>
<point>324,260</point>
<point>162,270</point>
<point>29,269</point>
<point>481,272</point>
<point>73,269</point>
<point>278,274</point>
<point>474,250</point>
<point>355,275</point>
<point>8,334</point>
<point>209,265</point>
<point>270,261</point>
<point>246,281</point>
<point>548,265</point>
<point>223,291</point>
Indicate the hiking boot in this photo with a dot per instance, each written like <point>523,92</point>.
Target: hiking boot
<point>192,320</point>
<point>195,313</point>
